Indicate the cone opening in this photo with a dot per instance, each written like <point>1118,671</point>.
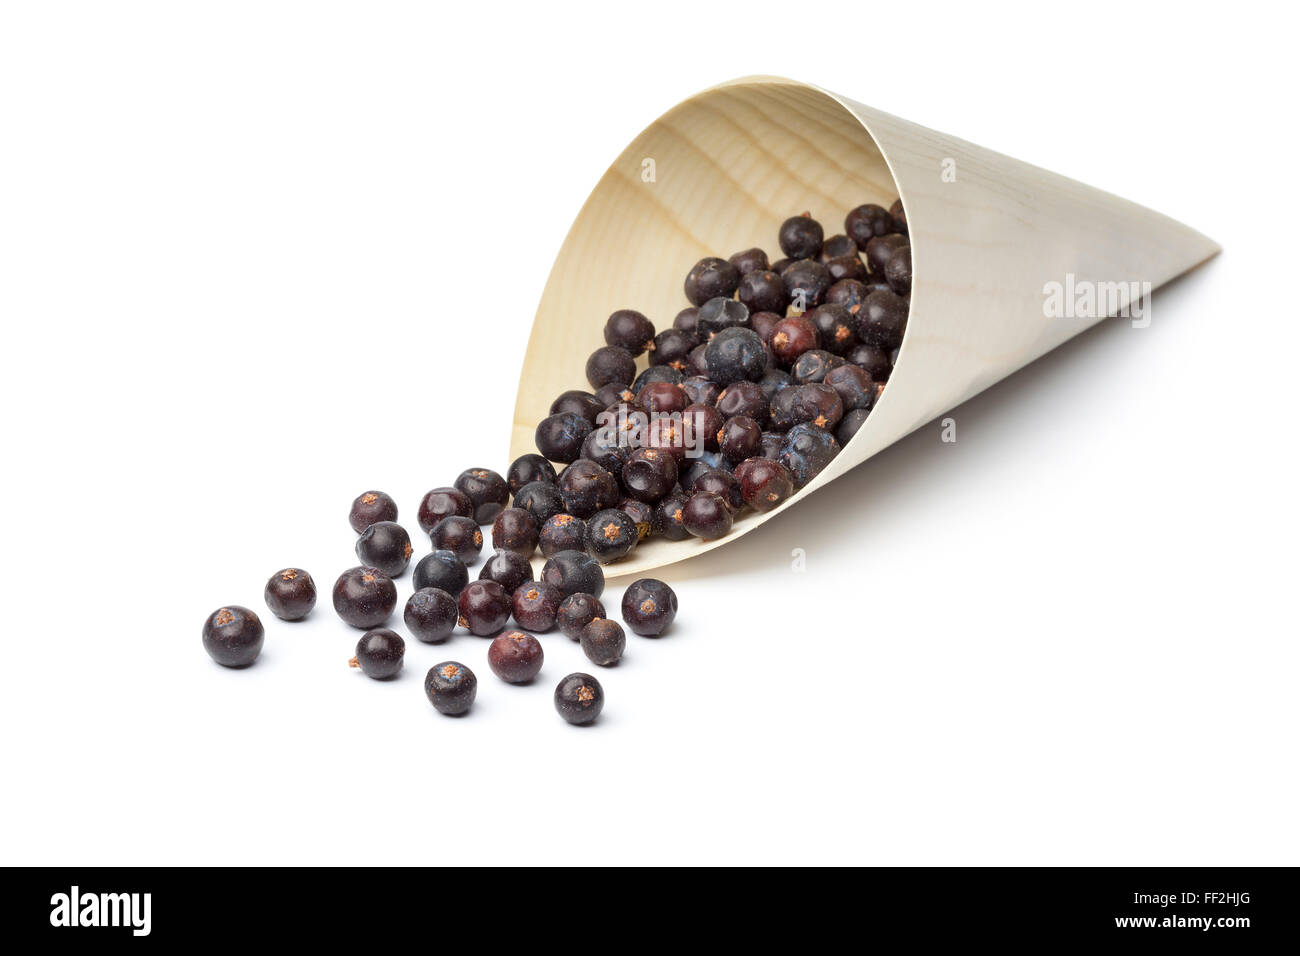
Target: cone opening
<point>715,175</point>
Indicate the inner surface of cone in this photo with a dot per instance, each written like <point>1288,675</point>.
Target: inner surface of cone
<point>715,175</point>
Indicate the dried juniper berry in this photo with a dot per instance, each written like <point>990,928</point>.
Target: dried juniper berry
<point>741,438</point>
<point>882,320</point>
<point>813,365</point>
<point>430,615</point>
<point>764,484</point>
<point>442,570</point>
<point>719,314</point>
<point>484,608</point>
<point>867,221</point>
<point>369,507</point>
<point>535,604</point>
<point>706,516</point>
<point>697,468</point>
<point>735,355</point>
<point>687,320</point>
<point>574,572</point>
<point>697,364</point>
<point>290,594</point>
<point>451,687</point>
<point>649,606</point>
<point>837,247</point>
<point>872,360</point>
<point>379,654</point>
<point>743,398</point>
<point>815,402</point>
<point>629,329</point>
<point>515,529</point>
<point>527,469</point>
<point>701,390</point>
<point>611,535</point>
<point>845,267</point>
<point>657,373</point>
<point>880,248</point>
<point>835,327</point>
<point>508,569</point>
<point>781,265</point>
<point>850,424</point>
<point>610,365</point>
<point>562,532</point>
<point>642,515</point>
<point>848,293</point>
<point>515,657</point>
<point>541,499</point>
<point>667,434</point>
<point>773,381</point>
<point>763,292</point>
<point>486,489</point>
<point>233,636</point>
<point>854,386</point>
<point>461,536</point>
<point>792,337</point>
<point>603,641</point>
<point>898,270</point>
<point>668,517</point>
<point>587,488</point>
<point>900,216</point>
<point>559,437</point>
<point>764,323</point>
<point>709,278</point>
<point>701,424</point>
<point>662,398</point>
<point>806,451</point>
<point>583,404</point>
<point>649,474</point>
<point>385,545</point>
<point>605,446</point>
<point>806,282</point>
<point>443,503</point>
<point>801,237</point>
<point>749,260</point>
<point>579,698</point>
<point>364,597</point>
<point>722,483</point>
<point>577,611</point>
<point>672,347</point>
<point>607,395</point>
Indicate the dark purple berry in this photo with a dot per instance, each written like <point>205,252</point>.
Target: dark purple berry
<point>642,515</point>
<point>706,516</point>
<point>657,373</point>
<point>835,327</point>
<point>649,606</point>
<point>603,641</point>
<point>735,355</point>
<point>848,293</point>
<point>874,361</point>
<point>577,402</point>
<point>608,395</point>
<point>837,247</point>
<point>663,398</point>
<point>672,347</point>
<point>750,260</point>
<point>741,438</point>
<point>687,320</point>
<point>629,329</point>
<point>792,337</point>
<point>451,687</point>
<point>611,535</point>
<point>850,424</point>
<point>765,323</point>
<point>461,536</point>
<point>559,437</point>
<point>535,604</point>
<point>801,237</point>
<point>574,572</point>
<point>815,403</point>
<point>701,424</point>
<point>718,314</point>
<point>515,529</point>
<point>773,381</point>
<point>806,282</point>
<point>290,594</point>
<point>900,215</point>
<point>233,636</point>
<point>807,450</point>
<point>579,698</point>
<point>563,532</point>
<point>515,657</point>
<point>487,490</point>
<point>605,447</point>
<point>527,469</point>
<point>541,499</point>
<point>385,545</point>
<point>484,608</point>
<point>668,517</point>
<point>509,569</point>
<point>812,366</point>
<point>610,365</point>
<point>430,615</point>
<point>587,488</point>
<point>867,221</point>
<point>763,292</point>
<point>364,597</point>
<point>442,570</point>
<point>882,320</point>
<point>880,248</point>
<point>649,474</point>
<point>764,484</point>
<point>379,654</point>
<point>710,278</point>
<point>369,507</point>
<point>898,270</point>
<point>721,483</point>
<point>443,503</point>
<point>577,611</point>
<point>743,398</point>
<point>854,386</point>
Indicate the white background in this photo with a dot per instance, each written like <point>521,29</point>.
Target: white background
<point>258,257</point>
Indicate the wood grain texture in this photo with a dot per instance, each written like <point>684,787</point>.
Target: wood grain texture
<point>735,161</point>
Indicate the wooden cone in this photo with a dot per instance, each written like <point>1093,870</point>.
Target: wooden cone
<point>721,171</point>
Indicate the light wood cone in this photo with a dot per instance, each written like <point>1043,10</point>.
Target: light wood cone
<point>733,162</point>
